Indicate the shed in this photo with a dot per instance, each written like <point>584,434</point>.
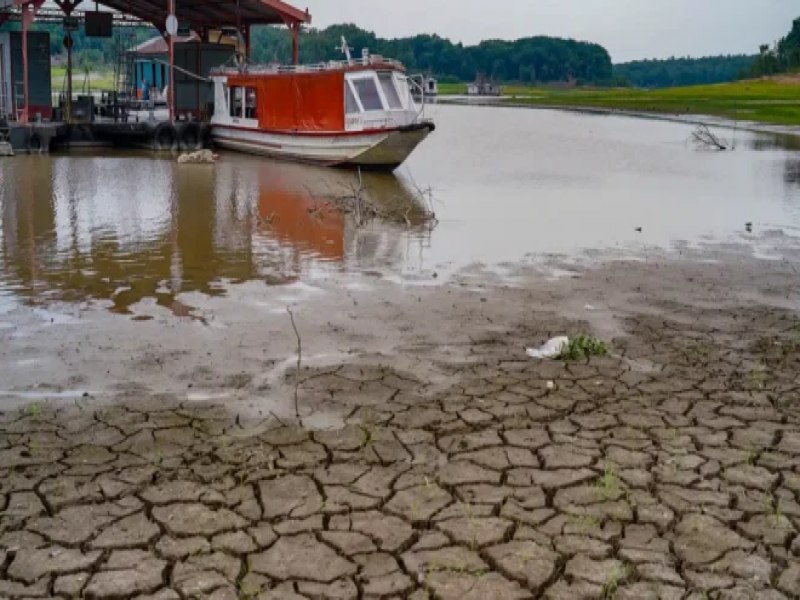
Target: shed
<point>12,98</point>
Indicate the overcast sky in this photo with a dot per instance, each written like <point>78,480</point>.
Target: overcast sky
<point>629,29</point>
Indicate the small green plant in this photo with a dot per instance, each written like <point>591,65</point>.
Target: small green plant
<point>367,436</point>
<point>582,347</point>
<point>609,485</point>
<point>369,429</point>
<point>772,505</point>
<point>617,576</point>
<point>759,377</point>
<point>34,410</point>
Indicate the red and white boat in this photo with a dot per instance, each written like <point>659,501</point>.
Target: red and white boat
<point>357,113</point>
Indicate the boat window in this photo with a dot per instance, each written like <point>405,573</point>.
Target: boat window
<point>251,104</point>
<point>350,103</point>
<point>368,92</point>
<point>237,96</point>
<point>402,88</point>
<point>389,91</point>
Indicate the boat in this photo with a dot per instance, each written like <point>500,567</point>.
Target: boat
<point>428,90</point>
<point>352,113</point>
<point>483,87</point>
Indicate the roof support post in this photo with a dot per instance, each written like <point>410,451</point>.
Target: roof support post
<point>295,29</point>
<point>67,7</point>
<point>28,15</point>
<point>171,88</point>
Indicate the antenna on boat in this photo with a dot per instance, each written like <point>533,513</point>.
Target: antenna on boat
<point>345,49</point>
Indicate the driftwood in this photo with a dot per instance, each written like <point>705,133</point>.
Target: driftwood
<point>703,137</point>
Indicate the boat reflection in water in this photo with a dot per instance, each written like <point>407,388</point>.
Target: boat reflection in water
<point>127,228</point>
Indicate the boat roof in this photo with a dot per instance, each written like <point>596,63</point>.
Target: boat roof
<point>373,63</point>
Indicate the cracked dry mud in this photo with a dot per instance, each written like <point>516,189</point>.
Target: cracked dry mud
<point>675,480</point>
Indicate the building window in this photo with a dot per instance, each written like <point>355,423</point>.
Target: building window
<point>368,92</point>
<point>389,91</point>
<point>251,103</point>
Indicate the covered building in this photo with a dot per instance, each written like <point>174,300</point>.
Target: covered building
<point>201,16</point>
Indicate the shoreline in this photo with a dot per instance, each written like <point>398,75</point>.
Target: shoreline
<point>688,119</point>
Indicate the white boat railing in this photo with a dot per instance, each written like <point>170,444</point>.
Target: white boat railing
<point>333,65</point>
<point>418,82</point>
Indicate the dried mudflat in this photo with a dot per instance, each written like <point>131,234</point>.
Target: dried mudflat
<point>451,466</point>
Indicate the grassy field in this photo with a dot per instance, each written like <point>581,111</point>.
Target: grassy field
<point>765,101</point>
<point>100,80</point>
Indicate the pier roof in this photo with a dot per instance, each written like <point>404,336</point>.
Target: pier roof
<point>199,13</point>
<point>214,13</point>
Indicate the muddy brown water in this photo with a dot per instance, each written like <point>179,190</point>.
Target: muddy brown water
<point>506,185</point>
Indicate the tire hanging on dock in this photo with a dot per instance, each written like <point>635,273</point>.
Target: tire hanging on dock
<point>190,136</point>
<point>165,137</point>
<point>35,143</point>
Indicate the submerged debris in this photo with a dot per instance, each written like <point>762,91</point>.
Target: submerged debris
<point>413,209</point>
<point>551,349</point>
<point>703,137</point>
<point>200,157</point>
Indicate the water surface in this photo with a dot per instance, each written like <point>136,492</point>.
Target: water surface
<point>506,184</point>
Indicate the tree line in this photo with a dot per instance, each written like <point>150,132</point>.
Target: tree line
<point>528,60</point>
<point>674,72</point>
<point>537,59</point>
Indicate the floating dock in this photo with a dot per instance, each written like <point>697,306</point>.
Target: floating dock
<point>195,37</point>
<point>48,136</point>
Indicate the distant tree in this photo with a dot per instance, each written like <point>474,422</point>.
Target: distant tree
<point>683,71</point>
<point>783,57</point>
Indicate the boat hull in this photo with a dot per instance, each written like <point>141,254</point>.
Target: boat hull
<point>378,149</point>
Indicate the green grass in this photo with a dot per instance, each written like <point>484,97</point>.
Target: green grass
<point>765,101</point>
<point>582,347</point>
<point>100,80</point>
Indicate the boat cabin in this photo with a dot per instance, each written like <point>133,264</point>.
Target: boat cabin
<point>333,97</point>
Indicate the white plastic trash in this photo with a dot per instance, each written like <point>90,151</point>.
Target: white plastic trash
<point>552,349</point>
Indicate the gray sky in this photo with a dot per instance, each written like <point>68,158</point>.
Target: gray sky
<point>629,29</point>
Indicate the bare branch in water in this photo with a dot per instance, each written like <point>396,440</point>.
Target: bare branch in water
<point>703,137</point>
<point>299,361</point>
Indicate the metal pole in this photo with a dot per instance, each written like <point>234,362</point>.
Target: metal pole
<point>171,98</point>
<point>68,113</point>
<point>27,17</point>
<point>295,27</point>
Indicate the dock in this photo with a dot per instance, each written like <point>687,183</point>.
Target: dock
<point>45,137</point>
<point>162,96</point>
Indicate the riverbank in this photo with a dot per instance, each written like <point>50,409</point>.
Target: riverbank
<point>768,101</point>
<point>432,458</point>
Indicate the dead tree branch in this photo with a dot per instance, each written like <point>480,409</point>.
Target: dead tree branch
<point>299,362</point>
<point>703,137</point>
